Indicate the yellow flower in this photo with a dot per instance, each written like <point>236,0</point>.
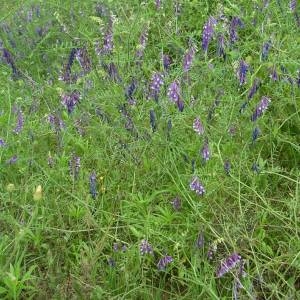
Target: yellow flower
<point>38,194</point>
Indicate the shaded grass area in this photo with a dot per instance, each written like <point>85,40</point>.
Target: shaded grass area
<point>59,244</point>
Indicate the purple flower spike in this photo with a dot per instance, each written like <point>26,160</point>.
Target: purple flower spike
<point>84,60</point>
<point>221,46</point>
<point>292,5</point>
<point>174,94</point>
<point>255,134</point>
<point>227,167</point>
<point>155,85</point>
<point>234,24</point>
<point>273,74</point>
<point>205,153</point>
<point>188,59</point>
<point>176,203</point>
<point>228,264</point>
<point>12,160</point>
<point>70,100</point>
<point>196,185</point>
<point>198,126</point>
<point>265,50</point>
<point>254,88</point>
<point>163,262</point>
<point>261,108</point>
<point>166,60</point>
<point>242,72</point>
<point>142,46</point>
<point>93,185</point>
<point>2,143</point>
<point>158,4</point>
<point>207,33</point>
<point>145,248</point>
<point>20,122</point>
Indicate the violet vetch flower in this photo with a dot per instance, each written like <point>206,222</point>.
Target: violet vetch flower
<point>292,5</point>
<point>74,165</point>
<point>265,50</point>
<point>200,240</point>
<point>56,122</point>
<point>228,264</point>
<point>12,160</point>
<point>234,24</point>
<point>116,247</point>
<point>261,108</point>
<point>155,85</point>
<point>93,185</point>
<point>197,186</point>
<point>153,120</point>
<point>142,46</point>
<point>163,262</point>
<point>254,88</point>
<point>255,134</point>
<point>70,100</point>
<point>112,71</point>
<point>208,32</point>
<point>84,60</point>
<point>8,58</point>
<point>174,94</point>
<point>129,92</point>
<point>221,46</point>
<point>2,143</point>
<point>66,75</point>
<point>145,248</point>
<point>111,262</point>
<point>158,4</point>
<point>20,122</point>
<point>242,72</point>
<point>188,59</point>
<point>227,167</point>
<point>176,203</point>
<point>205,153</point>
<point>273,74</point>
<point>198,126</point>
<point>166,61</point>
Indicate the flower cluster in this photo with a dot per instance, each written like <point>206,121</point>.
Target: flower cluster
<point>164,261</point>
<point>74,165</point>
<point>261,108</point>
<point>242,72</point>
<point>198,126</point>
<point>234,24</point>
<point>188,58</point>
<point>197,186</point>
<point>69,101</point>
<point>156,83</point>
<point>208,32</point>
<point>228,264</point>
<point>174,94</point>
<point>145,248</point>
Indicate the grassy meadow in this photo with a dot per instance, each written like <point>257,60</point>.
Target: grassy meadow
<point>150,149</point>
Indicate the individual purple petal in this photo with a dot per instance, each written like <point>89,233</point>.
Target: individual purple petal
<point>208,32</point>
<point>228,264</point>
<point>163,262</point>
<point>197,186</point>
<point>198,126</point>
<point>261,108</point>
<point>145,248</point>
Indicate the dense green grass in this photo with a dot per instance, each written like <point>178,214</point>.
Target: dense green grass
<point>60,245</point>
